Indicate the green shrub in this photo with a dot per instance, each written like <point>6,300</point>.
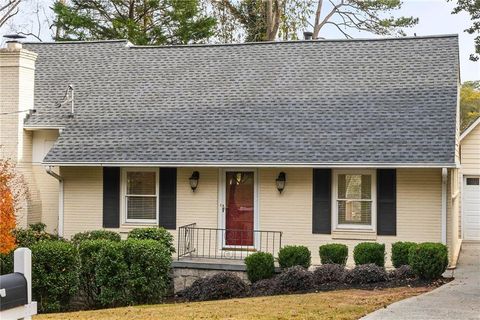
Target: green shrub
<point>149,267</point>
<point>260,265</point>
<point>95,235</point>
<point>33,234</point>
<point>116,273</point>
<point>290,256</point>
<point>6,263</point>
<point>54,274</point>
<point>333,253</point>
<point>88,252</point>
<point>159,234</point>
<point>400,251</point>
<point>369,252</point>
<point>111,275</point>
<point>37,227</point>
<point>428,260</point>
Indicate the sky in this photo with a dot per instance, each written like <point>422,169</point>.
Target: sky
<point>434,18</point>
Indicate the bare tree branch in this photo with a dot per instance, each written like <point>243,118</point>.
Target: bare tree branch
<point>9,8</point>
<point>327,17</point>
<point>339,29</point>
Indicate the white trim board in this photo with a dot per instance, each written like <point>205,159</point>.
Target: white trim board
<point>470,128</point>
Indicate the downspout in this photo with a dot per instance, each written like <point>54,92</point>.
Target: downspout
<point>60,199</point>
<point>444,205</point>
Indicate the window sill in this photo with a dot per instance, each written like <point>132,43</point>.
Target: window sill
<point>351,234</point>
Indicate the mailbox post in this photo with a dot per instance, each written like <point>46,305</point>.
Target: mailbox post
<point>16,288</point>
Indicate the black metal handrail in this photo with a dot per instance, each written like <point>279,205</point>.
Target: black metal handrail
<point>216,243</point>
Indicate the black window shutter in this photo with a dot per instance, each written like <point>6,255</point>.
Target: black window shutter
<point>111,197</point>
<point>322,201</point>
<point>387,202</point>
<point>168,198</point>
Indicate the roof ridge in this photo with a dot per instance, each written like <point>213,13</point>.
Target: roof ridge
<point>76,41</point>
<point>193,45</point>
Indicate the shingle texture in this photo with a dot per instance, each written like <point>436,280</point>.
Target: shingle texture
<point>306,102</point>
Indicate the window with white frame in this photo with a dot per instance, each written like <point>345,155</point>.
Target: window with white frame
<point>354,205</point>
<point>140,189</point>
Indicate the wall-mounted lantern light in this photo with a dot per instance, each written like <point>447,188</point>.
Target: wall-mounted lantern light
<point>280,181</point>
<point>194,180</point>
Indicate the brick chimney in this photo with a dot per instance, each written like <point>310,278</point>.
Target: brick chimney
<point>17,71</point>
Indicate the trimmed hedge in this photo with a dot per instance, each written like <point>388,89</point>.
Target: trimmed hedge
<point>290,256</point>
<point>148,270</point>
<point>95,235</point>
<point>55,274</point>
<point>400,251</point>
<point>428,260</point>
<point>156,233</point>
<point>333,253</point>
<point>121,273</point>
<point>88,253</point>
<point>260,265</point>
<point>369,252</point>
<point>111,275</point>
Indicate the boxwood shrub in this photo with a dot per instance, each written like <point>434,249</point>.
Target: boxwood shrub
<point>260,265</point>
<point>158,234</point>
<point>290,256</point>
<point>95,235</point>
<point>55,274</point>
<point>333,253</point>
<point>369,252</point>
<point>428,260</point>
<point>400,251</point>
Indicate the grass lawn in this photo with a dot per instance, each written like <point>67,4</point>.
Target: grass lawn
<point>343,304</point>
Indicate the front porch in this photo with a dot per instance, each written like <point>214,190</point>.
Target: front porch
<point>233,245</point>
<point>202,252</point>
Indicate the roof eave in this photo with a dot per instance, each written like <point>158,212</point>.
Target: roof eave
<point>253,164</point>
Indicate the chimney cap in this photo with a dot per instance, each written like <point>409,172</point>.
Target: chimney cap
<point>307,35</point>
<point>14,37</point>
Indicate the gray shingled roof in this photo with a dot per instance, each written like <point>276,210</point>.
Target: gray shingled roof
<point>389,101</point>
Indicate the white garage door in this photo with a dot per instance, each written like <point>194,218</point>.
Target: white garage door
<point>471,208</point>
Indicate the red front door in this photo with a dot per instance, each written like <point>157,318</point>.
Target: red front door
<point>239,208</point>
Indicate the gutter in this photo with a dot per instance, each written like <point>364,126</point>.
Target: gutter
<point>252,164</point>
<point>49,170</point>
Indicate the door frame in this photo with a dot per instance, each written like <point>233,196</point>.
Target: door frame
<point>222,199</point>
<point>462,200</point>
